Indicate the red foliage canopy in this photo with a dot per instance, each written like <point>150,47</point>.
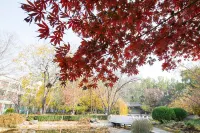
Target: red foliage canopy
<point>118,34</point>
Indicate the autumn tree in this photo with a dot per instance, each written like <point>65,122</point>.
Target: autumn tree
<point>152,96</point>
<point>30,88</point>
<point>134,92</point>
<point>117,35</point>
<point>72,94</point>
<point>190,77</point>
<point>38,62</point>
<point>110,95</point>
<point>123,108</point>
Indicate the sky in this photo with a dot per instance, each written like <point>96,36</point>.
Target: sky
<point>12,21</point>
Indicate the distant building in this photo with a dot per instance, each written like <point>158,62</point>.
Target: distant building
<point>135,108</point>
<point>10,92</point>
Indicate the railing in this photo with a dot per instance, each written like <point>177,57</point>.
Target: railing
<point>139,116</point>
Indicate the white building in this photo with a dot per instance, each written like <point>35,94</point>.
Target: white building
<point>10,92</point>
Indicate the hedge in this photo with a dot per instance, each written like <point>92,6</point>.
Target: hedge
<point>180,113</point>
<point>163,113</point>
<point>63,117</point>
<point>9,110</point>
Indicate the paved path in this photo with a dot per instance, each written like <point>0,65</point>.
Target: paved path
<point>121,130</point>
<point>118,130</point>
<point>157,130</point>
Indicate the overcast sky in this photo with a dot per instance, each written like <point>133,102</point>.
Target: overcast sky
<point>12,21</point>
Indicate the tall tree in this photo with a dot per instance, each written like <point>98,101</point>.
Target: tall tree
<point>118,34</point>
<point>39,63</point>
<point>72,94</point>
<point>190,90</point>
<point>110,95</point>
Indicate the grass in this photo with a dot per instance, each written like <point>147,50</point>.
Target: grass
<point>176,127</point>
<point>195,122</point>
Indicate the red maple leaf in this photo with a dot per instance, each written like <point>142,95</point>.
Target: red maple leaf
<point>118,34</point>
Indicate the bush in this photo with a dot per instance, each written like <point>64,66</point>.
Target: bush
<point>84,121</point>
<point>9,110</point>
<point>193,124</point>
<point>80,109</point>
<point>45,117</point>
<point>141,126</point>
<point>180,113</point>
<point>196,109</point>
<point>163,113</point>
<point>11,120</point>
<point>64,117</point>
<point>190,125</point>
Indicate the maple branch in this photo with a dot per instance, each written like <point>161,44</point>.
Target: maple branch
<point>164,21</point>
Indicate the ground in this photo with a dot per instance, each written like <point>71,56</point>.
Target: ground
<point>73,124</point>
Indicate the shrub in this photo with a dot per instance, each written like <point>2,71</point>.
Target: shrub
<point>193,124</point>
<point>180,113</point>
<point>63,117</point>
<point>196,109</point>
<point>80,109</point>
<point>163,113</point>
<point>9,110</point>
<point>146,108</point>
<point>11,120</point>
<point>190,125</point>
<point>84,120</point>
<point>141,126</point>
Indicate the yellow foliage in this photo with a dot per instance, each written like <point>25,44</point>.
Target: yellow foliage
<point>182,102</point>
<point>11,120</point>
<point>44,50</point>
<point>123,108</point>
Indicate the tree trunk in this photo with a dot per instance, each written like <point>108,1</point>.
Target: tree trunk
<point>44,105</point>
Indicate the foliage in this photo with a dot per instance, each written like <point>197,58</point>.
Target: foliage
<point>76,130</point>
<point>148,90</point>
<point>9,110</point>
<point>163,113</point>
<point>196,109</point>
<point>91,101</point>
<point>80,109</point>
<point>123,108</point>
<point>193,124</point>
<point>190,102</point>
<point>110,96</point>
<point>181,114</point>
<point>117,34</point>
<point>72,94</point>
<point>190,98</point>
<point>146,108</point>
<point>11,120</point>
<point>182,102</point>
<point>141,126</point>
<point>84,120</point>
<point>64,117</point>
<point>40,81</point>
<point>153,96</point>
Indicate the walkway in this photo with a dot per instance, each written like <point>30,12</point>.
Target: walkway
<point>120,130</point>
<point>157,130</point>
